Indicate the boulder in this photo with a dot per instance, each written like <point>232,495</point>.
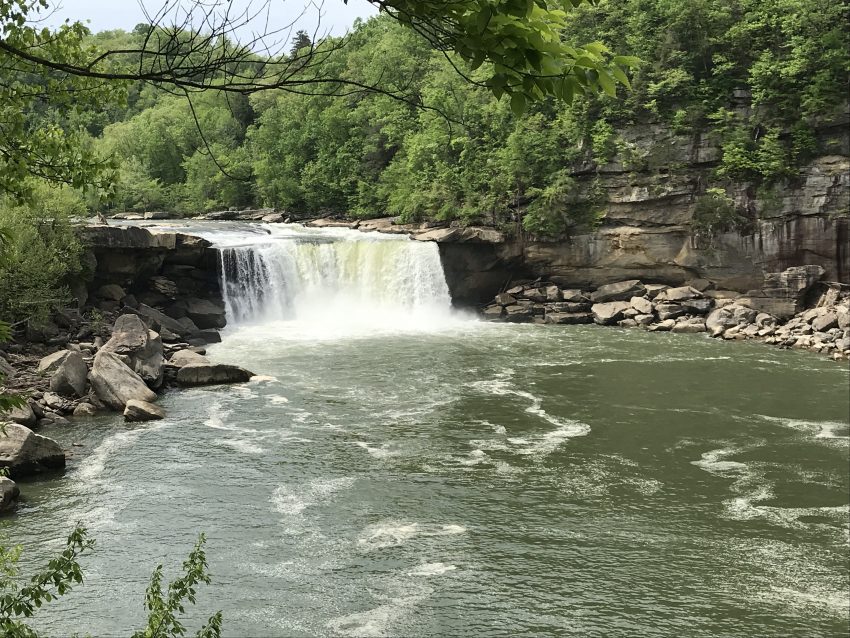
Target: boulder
<point>610,312</point>
<point>534,294</point>
<point>619,291</point>
<point>161,320</point>
<point>825,322</point>
<point>55,402</point>
<point>519,314</point>
<point>669,311</point>
<point>491,313</point>
<point>689,326</point>
<point>211,374</point>
<point>111,292</point>
<point>51,362</point>
<point>205,313</point>
<point>681,293</point>
<point>70,377</point>
<point>653,290</point>
<point>700,284</point>
<point>23,415</point>
<point>568,306</point>
<point>273,218</point>
<point>85,409</point>
<point>696,306</point>
<point>720,320</point>
<point>642,305</point>
<point>568,318</point>
<point>644,320</point>
<point>185,357</point>
<point>142,411</point>
<point>553,293</point>
<point>574,296</point>
<point>24,452</point>
<point>663,326</point>
<point>504,299</point>
<point>9,493</point>
<point>115,383</point>
<point>843,317</point>
<point>131,338</point>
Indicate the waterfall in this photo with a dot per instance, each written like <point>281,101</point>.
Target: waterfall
<point>332,277</point>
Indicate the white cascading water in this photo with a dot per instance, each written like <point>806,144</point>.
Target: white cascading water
<point>333,281</point>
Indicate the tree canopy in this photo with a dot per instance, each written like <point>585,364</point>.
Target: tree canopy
<point>47,76</point>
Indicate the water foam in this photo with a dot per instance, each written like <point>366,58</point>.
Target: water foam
<point>541,444</point>
<point>331,284</point>
<point>293,500</point>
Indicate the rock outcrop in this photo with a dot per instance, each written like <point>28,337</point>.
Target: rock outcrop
<point>24,452</point>
<point>9,493</point>
<point>211,374</point>
<point>142,348</point>
<point>71,375</point>
<point>692,308</point>
<point>115,383</point>
<point>136,411</point>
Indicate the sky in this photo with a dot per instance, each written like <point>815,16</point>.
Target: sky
<point>101,15</point>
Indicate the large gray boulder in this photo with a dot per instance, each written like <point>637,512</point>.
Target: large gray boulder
<point>51,362</point>
<point>568,318</point>
<point>24,452</point>
<point>115,383</point>
<point>70,377</point>
<point>143,347</point>
<point>205,313</point>
<point>608,313</point>
<point>680,294</point>
<point>161,320</point>
<point>211,374</point>
<point>142,411</point>
<point>719,320</point>
<point>642,305</point>
<point>619,291</point>
<point>23,415</point>
<point>185,357</point>
<point>9,493</point>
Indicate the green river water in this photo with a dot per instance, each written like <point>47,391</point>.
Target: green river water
<point>471,479</point>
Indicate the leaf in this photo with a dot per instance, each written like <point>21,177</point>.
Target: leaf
<point>620,76</point>
<point>518,104</point>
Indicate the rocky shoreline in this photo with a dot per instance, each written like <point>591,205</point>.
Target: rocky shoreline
<point>142,323</point>
<point>694,308</point>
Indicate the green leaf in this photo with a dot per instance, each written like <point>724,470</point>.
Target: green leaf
<point>518,103</point>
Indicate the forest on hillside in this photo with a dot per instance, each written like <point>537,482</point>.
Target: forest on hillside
<point>434,143</point>
<point>467,155</point>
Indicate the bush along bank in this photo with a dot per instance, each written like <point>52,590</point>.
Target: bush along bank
<point>782,319</point>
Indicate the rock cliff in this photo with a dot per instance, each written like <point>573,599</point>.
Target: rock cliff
<point>649,194</point>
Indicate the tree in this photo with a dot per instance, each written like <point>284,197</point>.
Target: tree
<point>300,41</point>
<point>62,573</point>
<point>194,48</point>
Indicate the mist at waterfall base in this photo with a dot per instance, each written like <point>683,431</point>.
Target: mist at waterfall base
<point>403,470</point>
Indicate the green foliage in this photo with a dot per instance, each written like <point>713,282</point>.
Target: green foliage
<point>41,251</point>
<point>715,212</point>
<point>164,608</point>
<point>20,602</point>
<point>39,141</point>
<point>7,401</point>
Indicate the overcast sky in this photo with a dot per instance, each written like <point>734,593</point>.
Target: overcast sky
<point>101,15</point>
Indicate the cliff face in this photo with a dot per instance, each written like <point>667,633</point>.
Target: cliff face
<point>650,192</point>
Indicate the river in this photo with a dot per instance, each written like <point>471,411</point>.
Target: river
<point>403,470</point>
